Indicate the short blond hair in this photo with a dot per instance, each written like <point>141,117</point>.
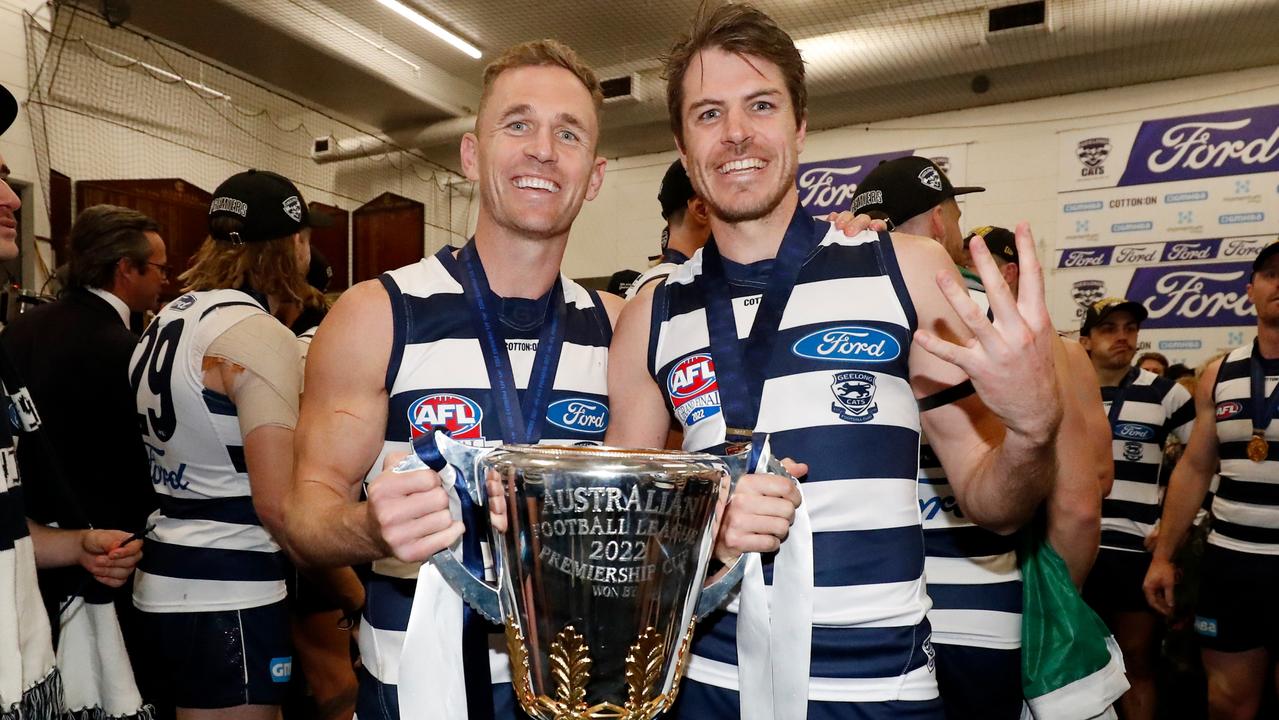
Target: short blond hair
<point>541,53</point>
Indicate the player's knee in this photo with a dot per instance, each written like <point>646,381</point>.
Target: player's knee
<point>1226,702</point>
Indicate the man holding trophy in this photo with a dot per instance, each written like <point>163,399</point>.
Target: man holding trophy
<point>806,343</point>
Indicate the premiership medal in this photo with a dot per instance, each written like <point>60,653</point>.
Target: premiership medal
<point>1258,448</point>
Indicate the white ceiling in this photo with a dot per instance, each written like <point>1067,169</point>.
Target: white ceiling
<point>867,60</point>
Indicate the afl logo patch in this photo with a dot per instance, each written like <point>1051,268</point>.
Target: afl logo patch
<point>849,343</point>
<point>1229,409</point>
<point>183,302</point>
<point>579,415</point>
<point>458,414</point>
<point>692,388</point>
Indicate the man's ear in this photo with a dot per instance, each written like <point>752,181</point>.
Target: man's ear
<point>697,208</point>
<point>470,155</point>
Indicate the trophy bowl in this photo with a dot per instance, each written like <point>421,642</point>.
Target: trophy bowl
<point>599,571</point>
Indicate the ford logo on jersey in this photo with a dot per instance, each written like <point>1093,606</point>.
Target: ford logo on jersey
<point>1134,431</point>
<point>460,415</point>
<point>1229,409</point>
<point>693,390</point>
<point>842,344</point>
<point>579,415</point>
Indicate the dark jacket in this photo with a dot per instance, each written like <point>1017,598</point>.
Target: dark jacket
<point>74,356</point>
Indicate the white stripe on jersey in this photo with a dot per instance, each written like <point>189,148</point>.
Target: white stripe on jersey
<point>577,370</point>
<point>976,628</point>
<point>161,594</point>
<point>918,684</point>
<point>830,511</point>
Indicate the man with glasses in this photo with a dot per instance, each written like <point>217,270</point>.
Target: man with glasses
<point>74,355</point>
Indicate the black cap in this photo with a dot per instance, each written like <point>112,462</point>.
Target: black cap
<point>1266,253</point>
<point>8,108</point>
<point>676,190</point>
<point>1001,242</point>
<point>269,205</point>
<point>904,188</point>
<point>320,272</point>
<point>1099,310</point>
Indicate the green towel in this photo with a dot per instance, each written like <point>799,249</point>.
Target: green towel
<point>1071,667</point>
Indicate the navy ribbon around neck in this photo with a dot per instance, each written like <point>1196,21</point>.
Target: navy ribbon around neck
<point>740,367</point>
<point>1263,408</point>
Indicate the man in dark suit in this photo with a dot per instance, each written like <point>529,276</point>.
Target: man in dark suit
<point>74,356</point>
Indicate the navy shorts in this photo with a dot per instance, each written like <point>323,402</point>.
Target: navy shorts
<point>1114,585</point>
<point>979,682</point>
<point>1237,593</point>
<point>224,658</point>
<point>700,701</point>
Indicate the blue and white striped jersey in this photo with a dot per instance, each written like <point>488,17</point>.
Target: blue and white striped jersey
<point>208,551</point>
<point>436,378</point>
<point>1246,508</point>
<point>1153,408</point>
<point>836,396</point>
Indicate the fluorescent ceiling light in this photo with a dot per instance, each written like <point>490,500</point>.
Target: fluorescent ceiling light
<point>430,26</point>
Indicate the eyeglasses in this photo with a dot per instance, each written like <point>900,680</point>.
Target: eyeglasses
<point>164,269</point>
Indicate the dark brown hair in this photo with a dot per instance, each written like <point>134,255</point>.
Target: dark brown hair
<point>100,237</point>
<point>539,53</point>
<point>736,28</point>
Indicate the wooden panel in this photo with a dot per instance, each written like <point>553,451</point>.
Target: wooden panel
<point>59,210</point>
<point>333,242</point>
<point>388,232</point>
<point>178,207</point>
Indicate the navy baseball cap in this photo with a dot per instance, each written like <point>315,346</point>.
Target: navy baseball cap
<point>270,206</point>
<point>8,108</point>
<point>904,188</point>
<point>1099,310</point>
<point>676,190</point>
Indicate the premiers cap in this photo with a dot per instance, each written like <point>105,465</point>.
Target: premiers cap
<point>269,205</point>
<point>676,190</point>
<point>1001,242</point>
<point>1101,309</point>
<point>8,108</point>
<point>1266,253</point>
<point>904,188</point>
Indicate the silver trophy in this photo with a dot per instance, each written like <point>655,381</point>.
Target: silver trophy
<point>600,569</point>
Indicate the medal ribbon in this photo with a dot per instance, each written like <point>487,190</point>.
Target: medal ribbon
<point>1263,408</point>
<point>739,371</point>
<point>521,420</point>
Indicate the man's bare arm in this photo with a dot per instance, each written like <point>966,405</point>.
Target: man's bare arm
<point>1084,463</point>
<point>340,431</point>
<point>998,447</point>
<point>1185,494</point>
<point>638,412</point>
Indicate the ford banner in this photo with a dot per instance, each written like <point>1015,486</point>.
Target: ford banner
<point>827,186</point>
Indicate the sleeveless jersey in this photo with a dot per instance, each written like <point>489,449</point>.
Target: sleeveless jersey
<point>1246,507</point>
<point>436,378</point>
<point>1154,407</point>
<point>973,578</point>
<point>836,396</point>
<point>208,550</point>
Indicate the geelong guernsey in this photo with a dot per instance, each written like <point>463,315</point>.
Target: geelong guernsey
<point>208,550</point>
<point>436,378</point>
<point>1153,408</point>
<point>836,395</point>
<point>1246,507</point>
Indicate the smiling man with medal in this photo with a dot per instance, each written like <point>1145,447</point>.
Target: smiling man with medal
<point>1235,434</point>
<point>489,343</point>
<point>818,346</point>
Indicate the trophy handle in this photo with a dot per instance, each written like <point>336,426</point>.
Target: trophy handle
<point>737,465</point>
<point>434,452</point>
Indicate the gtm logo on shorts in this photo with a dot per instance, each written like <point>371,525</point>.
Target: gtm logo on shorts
<point>281,669</point>
<point>1205,626</point>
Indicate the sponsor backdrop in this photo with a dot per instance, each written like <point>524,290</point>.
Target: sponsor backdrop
<point>828,186</point>
<point>1169,213</point>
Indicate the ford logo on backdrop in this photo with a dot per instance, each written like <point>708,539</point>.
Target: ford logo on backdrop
<point>1232,142</point>
<point>579,414</point>
<point>1134,431</point>
<point>861,344</point>
<point>1194,295</point>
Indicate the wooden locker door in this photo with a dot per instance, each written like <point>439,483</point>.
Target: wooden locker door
<point>333,242</point>
<point>387,232</point>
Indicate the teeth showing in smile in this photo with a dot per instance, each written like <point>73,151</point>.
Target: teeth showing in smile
<point>536,183</point>
<point>743,164</point>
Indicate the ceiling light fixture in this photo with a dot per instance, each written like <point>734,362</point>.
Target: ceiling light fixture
<point>430,26</point>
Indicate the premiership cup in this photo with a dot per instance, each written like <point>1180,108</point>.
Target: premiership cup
<point>599,572</point>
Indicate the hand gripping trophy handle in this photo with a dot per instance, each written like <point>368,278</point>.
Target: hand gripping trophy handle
<point>441,450</point>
